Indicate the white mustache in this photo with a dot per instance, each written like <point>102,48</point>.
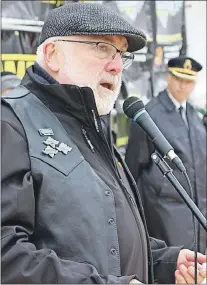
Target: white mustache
<point>110,80</point>
<point>113,81</point>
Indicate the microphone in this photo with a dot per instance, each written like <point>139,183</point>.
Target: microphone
<point>134,109</point>
<point>205,121</point>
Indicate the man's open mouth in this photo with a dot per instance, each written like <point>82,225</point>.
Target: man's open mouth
<point>108,86</point>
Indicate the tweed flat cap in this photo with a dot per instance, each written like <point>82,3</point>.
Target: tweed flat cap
<point>90,19</point>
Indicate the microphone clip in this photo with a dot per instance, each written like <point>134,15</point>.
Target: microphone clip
<point>162,164</point>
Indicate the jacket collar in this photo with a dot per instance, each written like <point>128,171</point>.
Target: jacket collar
<point>42,76</point>
<point>77,101</point>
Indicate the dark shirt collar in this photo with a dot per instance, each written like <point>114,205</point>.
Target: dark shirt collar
<point>42,76</point>
<point>63,96</point>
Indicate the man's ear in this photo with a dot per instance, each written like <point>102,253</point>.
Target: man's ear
<point>51,56</point>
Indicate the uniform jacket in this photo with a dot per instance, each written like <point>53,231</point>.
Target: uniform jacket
<point>167,215</point>
<point>56,210</point>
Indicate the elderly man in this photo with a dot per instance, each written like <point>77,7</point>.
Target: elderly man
<point>71,212</point>
<point>168,217</point>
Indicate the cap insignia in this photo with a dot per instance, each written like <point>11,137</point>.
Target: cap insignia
<point>187,64</point>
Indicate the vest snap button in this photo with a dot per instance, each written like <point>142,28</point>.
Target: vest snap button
<point>108,193</point>
<point>113,251</point>
<point>111,221</point>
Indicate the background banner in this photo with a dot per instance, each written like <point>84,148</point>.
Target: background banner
<point>28,10</point>
<point>169,22</point>
<point>21,25</point>
<point>170,39</point>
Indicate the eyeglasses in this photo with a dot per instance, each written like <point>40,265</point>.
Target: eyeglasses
<point>106,50</point>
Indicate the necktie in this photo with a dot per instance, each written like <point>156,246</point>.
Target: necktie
<point>183,116</point>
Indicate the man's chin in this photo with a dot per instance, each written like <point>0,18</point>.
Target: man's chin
<point>105,101</point>
<point>103,109</point>
<point>102,112</point>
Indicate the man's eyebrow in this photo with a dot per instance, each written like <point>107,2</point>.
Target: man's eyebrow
<point>124,46</point>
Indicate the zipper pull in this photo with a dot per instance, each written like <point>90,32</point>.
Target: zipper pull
<point>95,121</point>
<point>87,139</point>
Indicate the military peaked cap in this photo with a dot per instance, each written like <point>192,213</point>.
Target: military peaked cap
<point>184,67</point>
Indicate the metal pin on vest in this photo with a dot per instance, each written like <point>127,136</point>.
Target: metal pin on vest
<point>46,132</point>
<point>53,148</point>
<point>50,151</point>
<point>51,142</point>
<point>64,148</point>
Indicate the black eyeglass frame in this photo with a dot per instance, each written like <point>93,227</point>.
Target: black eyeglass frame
<point>128,56</point>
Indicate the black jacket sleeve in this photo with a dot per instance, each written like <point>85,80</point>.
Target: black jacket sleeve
<point>21,261</point>
<point>164,261</point>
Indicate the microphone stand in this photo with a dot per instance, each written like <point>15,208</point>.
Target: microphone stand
<point>167,171</point>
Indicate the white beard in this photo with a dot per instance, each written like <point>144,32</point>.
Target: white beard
<point>105,99</point>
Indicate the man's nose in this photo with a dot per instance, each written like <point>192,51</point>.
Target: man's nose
<point>115,66</point>
<point>183,85</point>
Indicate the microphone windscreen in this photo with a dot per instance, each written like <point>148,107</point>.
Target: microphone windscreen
<point>132,105</point>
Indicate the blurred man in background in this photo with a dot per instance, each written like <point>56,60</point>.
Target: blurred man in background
<point>9,81</point>
<point>167,215</point>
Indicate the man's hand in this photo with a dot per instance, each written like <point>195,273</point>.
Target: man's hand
<point>185,272</point>
<point>187,275</point>
<point>135,281</point>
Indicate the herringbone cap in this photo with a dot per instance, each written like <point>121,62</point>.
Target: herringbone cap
<point>90,19</point>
